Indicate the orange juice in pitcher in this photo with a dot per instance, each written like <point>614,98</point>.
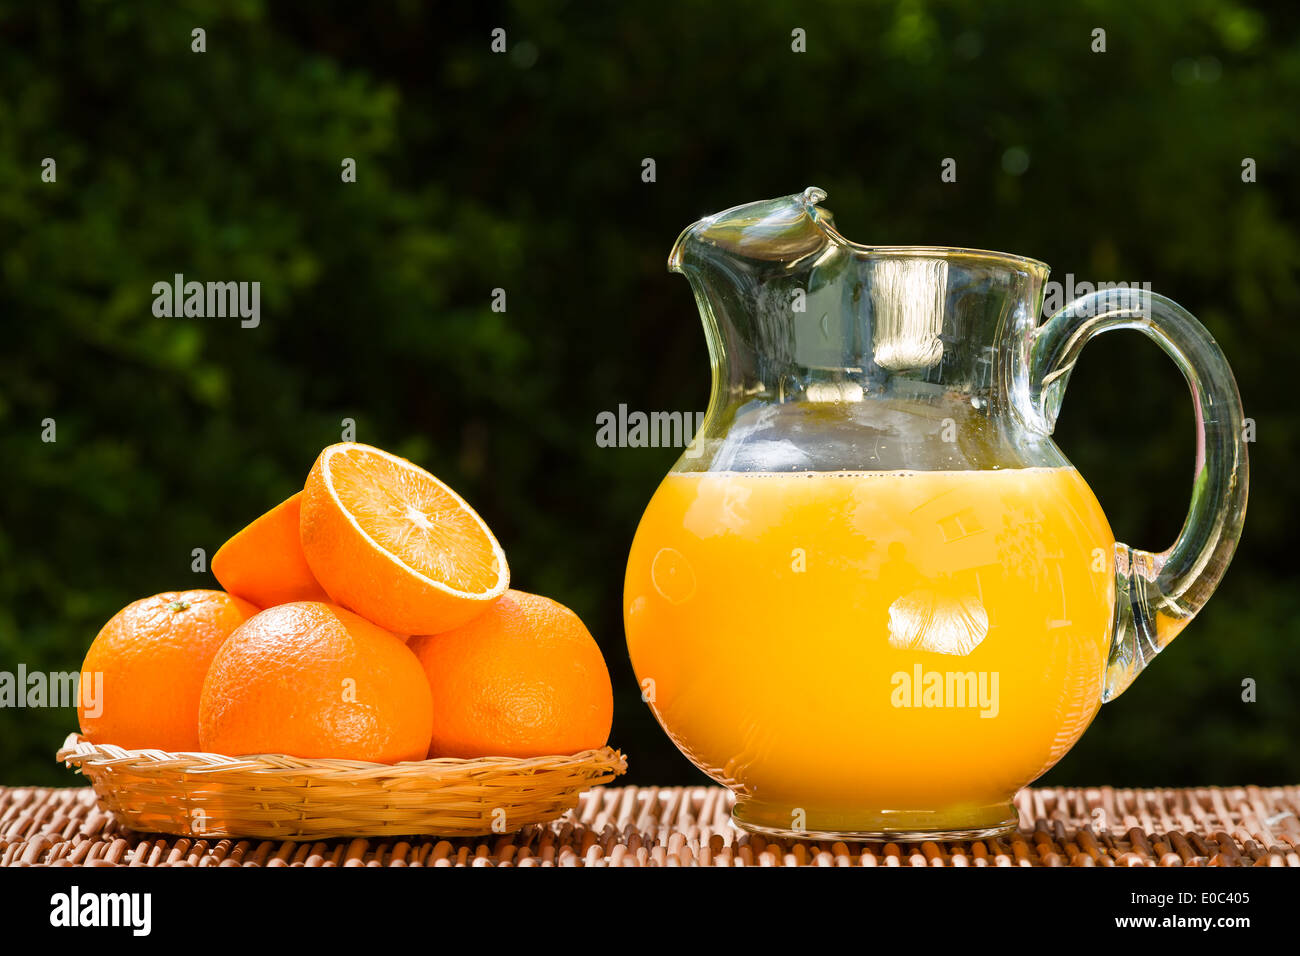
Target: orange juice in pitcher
<point>873,598</point>
<point>832,640</point>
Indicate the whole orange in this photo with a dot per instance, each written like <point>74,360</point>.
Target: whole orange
<point>141,679</point>
<point>314,680</point>
<point>523,679</point>
<point>264,564</point>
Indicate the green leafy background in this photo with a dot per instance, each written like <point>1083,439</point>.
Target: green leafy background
<point>522,171</point>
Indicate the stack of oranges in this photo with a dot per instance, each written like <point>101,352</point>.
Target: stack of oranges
<point>365,618</point>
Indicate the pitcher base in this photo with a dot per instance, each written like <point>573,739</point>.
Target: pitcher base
<point>888,826</point>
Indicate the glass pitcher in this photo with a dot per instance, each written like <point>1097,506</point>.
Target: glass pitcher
<point>872,597</point>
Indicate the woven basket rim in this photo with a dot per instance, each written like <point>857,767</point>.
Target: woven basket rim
<point>296,798</point>
<point>77,750</point>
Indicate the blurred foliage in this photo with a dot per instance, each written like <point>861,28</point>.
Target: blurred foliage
<point>522,171</point>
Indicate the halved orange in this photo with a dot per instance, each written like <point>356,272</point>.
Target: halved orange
<point>391,542</point>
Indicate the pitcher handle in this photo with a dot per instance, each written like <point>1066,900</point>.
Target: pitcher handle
<point>1156,593</point>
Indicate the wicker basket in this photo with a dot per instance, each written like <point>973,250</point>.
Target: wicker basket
<point>289,798</point>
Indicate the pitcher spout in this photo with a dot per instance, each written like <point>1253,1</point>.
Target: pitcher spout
<point>780,232</point>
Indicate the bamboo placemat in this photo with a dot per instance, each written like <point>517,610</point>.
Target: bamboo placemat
<point>689,826</point>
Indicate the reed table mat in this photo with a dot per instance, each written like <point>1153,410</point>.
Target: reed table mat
<point>689,826</point>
